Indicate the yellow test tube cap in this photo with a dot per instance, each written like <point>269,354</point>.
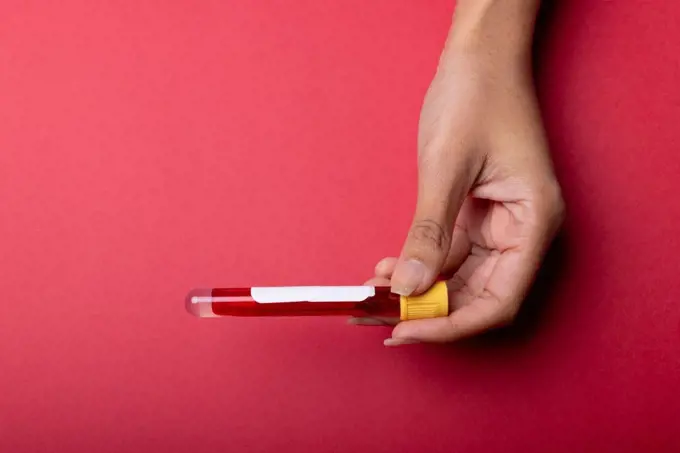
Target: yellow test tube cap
<point>433,303</point>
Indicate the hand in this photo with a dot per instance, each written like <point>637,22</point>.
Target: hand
<point>489,204</point>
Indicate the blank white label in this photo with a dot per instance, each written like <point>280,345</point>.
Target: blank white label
<point>272,295</point>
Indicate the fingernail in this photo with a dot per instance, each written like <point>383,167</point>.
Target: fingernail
<point>399,341</point>
<point>407,277</point>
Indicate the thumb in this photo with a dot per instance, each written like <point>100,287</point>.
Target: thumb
<point>443,187</point>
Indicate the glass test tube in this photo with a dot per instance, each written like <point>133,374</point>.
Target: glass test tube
<point>317,301</point>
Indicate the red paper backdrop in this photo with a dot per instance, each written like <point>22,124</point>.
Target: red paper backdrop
<point>150,147</point>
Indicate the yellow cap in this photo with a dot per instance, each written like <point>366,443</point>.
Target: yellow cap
<point>432,304</point>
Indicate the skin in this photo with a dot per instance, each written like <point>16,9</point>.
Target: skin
<point>489,204</point>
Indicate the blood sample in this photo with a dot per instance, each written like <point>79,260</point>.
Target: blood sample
<point>359,301</point>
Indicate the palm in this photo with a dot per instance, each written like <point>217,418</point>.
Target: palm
<point>485,230</point>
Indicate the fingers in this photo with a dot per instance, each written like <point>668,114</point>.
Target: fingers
<point>495,305</point>
<point>399,341</point>
<point>385,268</point>
<point>497,302</point>
<point>378,281</point>
<point>445,178</point>
<point>477,315</point>
<point>467,321</point>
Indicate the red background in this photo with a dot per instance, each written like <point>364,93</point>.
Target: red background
<point>150,147</point>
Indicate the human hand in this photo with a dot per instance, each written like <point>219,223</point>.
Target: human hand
<point>488,206</point>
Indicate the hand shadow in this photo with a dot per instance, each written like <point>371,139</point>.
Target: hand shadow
<point>547,15</point>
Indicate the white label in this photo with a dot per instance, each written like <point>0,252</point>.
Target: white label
<point>273,295</point>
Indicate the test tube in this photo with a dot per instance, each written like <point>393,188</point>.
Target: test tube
<point>361,301</point>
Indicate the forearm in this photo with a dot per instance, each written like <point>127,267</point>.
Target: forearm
<point>500,31</point>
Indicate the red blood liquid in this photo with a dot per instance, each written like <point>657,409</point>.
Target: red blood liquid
<point>239,302</point>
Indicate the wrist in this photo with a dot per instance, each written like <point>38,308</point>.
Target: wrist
<point>499,32</point>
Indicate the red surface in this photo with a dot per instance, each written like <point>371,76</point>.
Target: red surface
<point>147,148</point>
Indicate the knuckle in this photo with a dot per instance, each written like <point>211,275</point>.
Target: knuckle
<point>430,234</point>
